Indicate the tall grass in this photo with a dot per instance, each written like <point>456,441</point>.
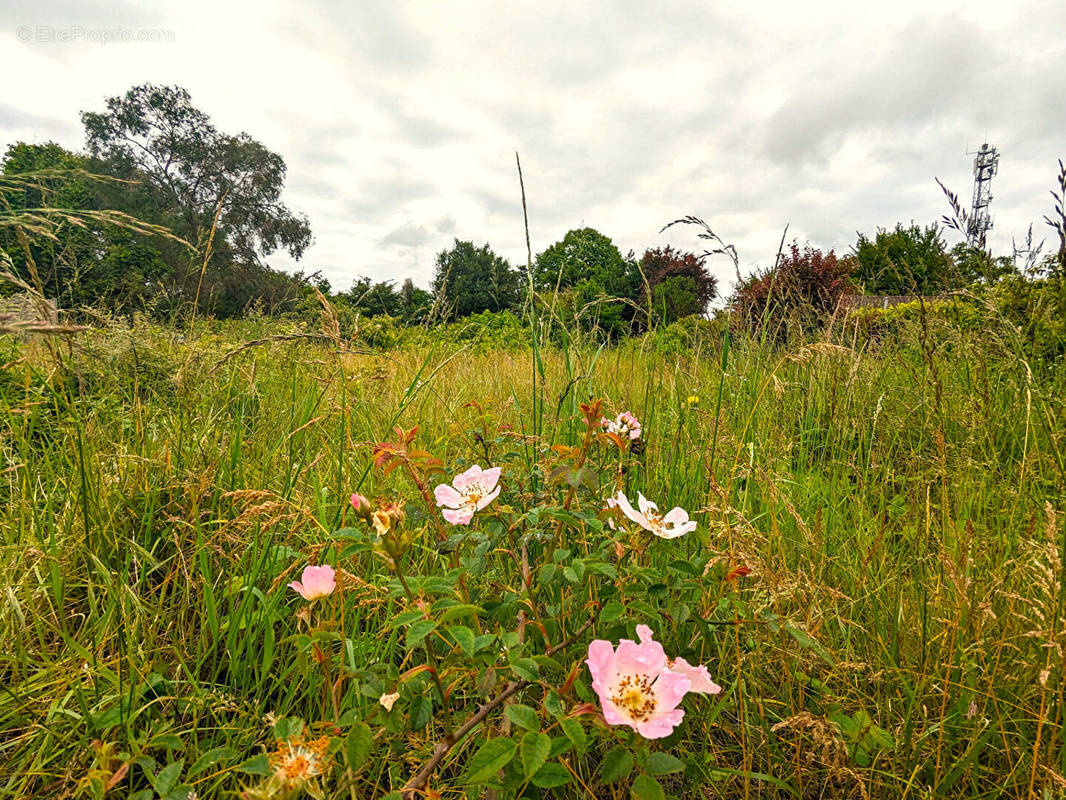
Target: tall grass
<point>899,505</point>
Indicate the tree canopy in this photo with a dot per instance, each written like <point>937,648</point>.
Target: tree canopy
<point>469,280</point>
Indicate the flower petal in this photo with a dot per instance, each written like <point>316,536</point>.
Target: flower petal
<point>699,678</point>
<point>629,511</point>
<point>645,504</point>
<point>465,480</point>
<point>484,501</point>
<point>457,516</point>
<point>447,496</point>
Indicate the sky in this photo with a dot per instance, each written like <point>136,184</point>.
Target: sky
<point>399,121</point>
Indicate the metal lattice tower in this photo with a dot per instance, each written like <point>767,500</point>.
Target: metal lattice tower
<point>985,165</point>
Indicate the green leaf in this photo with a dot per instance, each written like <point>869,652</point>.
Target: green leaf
<point>256,765</point>
<point>465,638</point>
<point>419,631</point>
<point>525,668</point>
<point>491,757</point>
<point>646,788</point>
<point>534,751</point>
<point>168,777</point>
<point>421,711</point>
<point>523,716</point>
<point>616,765</point>
<point>575,733</point>
<point>406,618</point>
<point>210,758</point>
<point>551,775</point>
<point>612,611</point>
<point>360,745</point>
<point>660,763</point>
<point>461,611</point>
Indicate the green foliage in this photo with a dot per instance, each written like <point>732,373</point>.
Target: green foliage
<point>909,260</point>
<point>470,280</point>
<point>586,281</point>
<point>680,283</point>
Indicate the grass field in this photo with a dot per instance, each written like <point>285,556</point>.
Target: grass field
<point>876,580</point>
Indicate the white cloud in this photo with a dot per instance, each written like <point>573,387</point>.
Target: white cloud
<point>399,120</point>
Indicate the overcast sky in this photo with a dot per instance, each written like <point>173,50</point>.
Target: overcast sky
<point>399,121</point>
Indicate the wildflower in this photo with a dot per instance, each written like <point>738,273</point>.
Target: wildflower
<point>693,400</point>
<point>389,700</point>
<point>624,426</point>
<point>470,491</point>
<point>636,685</point>
<point>315,582</point>
<point>359,503</point>
<point>670,525</point>
<point>297,764</point>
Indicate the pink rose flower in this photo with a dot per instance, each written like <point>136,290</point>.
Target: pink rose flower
<point>625,425</point>
<point>670,525</point>
<point>315,582</point>
<point>636,686</point>
<point>360,503</point>
<point>470,491</point>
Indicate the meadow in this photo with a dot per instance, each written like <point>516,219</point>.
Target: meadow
<point>875,581</point>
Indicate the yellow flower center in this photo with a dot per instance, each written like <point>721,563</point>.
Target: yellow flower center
<point>633,696</point>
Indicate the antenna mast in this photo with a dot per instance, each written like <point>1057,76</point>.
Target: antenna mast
<point>985,165</point>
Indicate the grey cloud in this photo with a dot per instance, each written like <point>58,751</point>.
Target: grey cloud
<point>409,234</point>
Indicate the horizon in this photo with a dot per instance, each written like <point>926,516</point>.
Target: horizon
<point>398,123</point>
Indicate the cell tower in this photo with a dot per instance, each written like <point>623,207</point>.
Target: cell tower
<point>985,165</point>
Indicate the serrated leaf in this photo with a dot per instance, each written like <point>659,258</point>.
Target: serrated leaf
<point>405,618</point>
<point>464,637</point>
<point>616,765</point>
<point>612,611</point>
<point>575,733</point>
<point>533,752</point>
<point>525,668</point>
<point>523,716</point>
<point>461,611</point>
<point>646,788</point>
<point>660,763</point>
<point>491,757</point>
<point>551,775</point>
<point>360,745</point>
<point>419,631</point>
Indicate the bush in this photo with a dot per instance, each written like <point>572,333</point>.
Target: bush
<point>805,288</point>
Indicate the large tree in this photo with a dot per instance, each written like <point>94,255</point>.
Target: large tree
<point>188,173</point>
<point>603,287</point>
<point>469,280</point>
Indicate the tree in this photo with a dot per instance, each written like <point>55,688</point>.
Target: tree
<point>806,285</point>
<point>605,288</point>
<point>680,283</point>
<point>84,259</point>
<point>187,172</point>
<point>904,261</point>
<point>469,280</point>
<point>415,301</point>
<point>373,299</point>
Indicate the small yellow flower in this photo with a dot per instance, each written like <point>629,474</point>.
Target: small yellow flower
<point>693,400</point>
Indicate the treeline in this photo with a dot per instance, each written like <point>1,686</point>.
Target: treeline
<point>165,214</point>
